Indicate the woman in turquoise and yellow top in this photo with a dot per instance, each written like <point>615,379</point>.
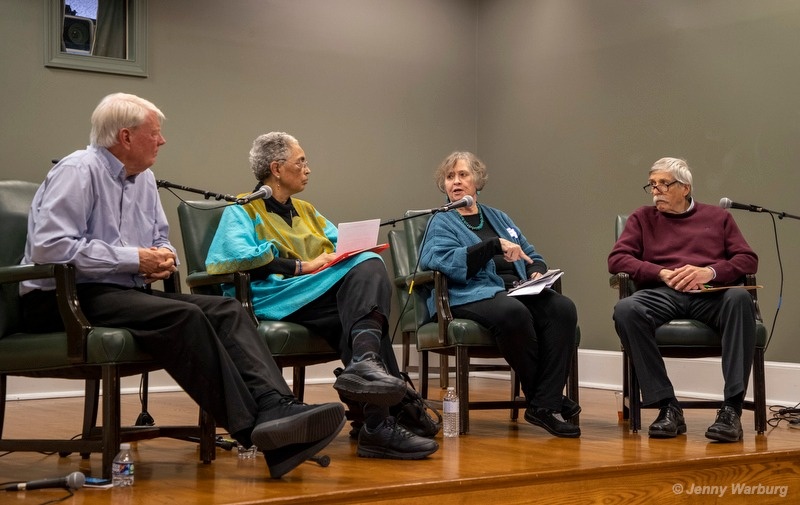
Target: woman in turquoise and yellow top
<point>284,243</point>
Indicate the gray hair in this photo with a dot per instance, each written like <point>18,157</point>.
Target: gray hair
<point>475,166</point>
<point>269,147</point>
<point>676,167</point>
<point>118,111</point>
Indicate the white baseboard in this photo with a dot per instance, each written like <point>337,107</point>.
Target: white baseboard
<point>694,378</point>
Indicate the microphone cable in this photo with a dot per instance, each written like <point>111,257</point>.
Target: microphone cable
<point>780,288</point>
<point>411,276</point>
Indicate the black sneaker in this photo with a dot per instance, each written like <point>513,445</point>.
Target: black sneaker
<point>412,412</point>
<point>367,381</point>
<point>355,429</point>
<point>284,459</point>
<point>391,441</point>
<point>293,422</point>
<point>547,419</point>
<point>668,424</point>
<point>569,408</point>
<point>727,427</point>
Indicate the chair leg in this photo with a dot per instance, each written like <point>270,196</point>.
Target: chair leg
<point>626,387</point>
<point>462,388</point>
<point>573,387</point>
<point>111,417</point>
<point>298,381</point>
<point>515,390</point>
<point>406,351</point>
<point>3,389</point>
<point>444,371</point>
<point>759,392</point>
<point>635,399</point>
<point>423,374</point>
<point>208,446</point>
<point>91,405</point>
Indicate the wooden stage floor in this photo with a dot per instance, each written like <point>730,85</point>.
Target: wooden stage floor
<point>498,462</point>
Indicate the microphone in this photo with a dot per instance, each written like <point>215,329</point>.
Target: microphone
<point>263,192</point>
<point>467,201</point>
<point>727,203</point>
<point>74,480</point>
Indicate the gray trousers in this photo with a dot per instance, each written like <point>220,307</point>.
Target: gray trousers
<point>731,312</point>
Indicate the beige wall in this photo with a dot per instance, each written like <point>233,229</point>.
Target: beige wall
<point>577,99</point>
<point>568,102</point>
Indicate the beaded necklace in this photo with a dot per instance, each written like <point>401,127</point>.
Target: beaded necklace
<point>477,227</point>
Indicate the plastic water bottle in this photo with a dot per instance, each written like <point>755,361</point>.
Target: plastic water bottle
<point>450,407</point>
<point>246,452</point>
<point>122,467</point>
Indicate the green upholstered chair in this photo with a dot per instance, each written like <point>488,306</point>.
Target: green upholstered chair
<point>688,338</point>
<point>462,338</point>
<point>92,354</point>
<point>408,328</point>
<point>291,344</point>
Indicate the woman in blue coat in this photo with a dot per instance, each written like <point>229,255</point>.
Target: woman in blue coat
<point>483,254</point>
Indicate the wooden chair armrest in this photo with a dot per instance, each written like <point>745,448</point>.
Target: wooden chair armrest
<point>750,280</point>
<point>76,326</point>
<point>442,302</point>
<point>623,283</point>
<point>239,280</point>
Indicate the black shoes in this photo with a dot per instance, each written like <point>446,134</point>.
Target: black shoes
<point>547,419</point>
<point>291,432</point>
<point>367,381</point>
<point>412,412</point>
<point>668,424</point>
<point>727,427</point>
<point>569,408</point>
<point>284,459</point>
<point>391,441</point>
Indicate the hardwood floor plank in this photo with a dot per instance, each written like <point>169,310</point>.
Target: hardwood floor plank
<point>499,461</point>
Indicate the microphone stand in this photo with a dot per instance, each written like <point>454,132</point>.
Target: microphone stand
<point>414,213</point>
<point>206,194</point>
<point>782,215</point>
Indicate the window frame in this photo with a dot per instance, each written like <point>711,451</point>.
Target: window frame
<point>135,65</point>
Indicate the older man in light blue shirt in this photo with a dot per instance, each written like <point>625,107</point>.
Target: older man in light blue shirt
<point>99,210</point>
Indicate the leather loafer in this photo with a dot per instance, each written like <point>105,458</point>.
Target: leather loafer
<point>547,419</point>
<point>727,427</point>
<point>668,424</point>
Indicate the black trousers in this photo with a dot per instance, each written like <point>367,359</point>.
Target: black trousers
<point>535,335</point>
<point>208,344</point>
<point>731,312</point>
<point>363,290</point>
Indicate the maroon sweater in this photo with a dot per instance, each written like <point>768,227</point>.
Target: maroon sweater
<point>706,236</point>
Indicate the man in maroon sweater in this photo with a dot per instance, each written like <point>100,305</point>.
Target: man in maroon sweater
<point>675,246</point>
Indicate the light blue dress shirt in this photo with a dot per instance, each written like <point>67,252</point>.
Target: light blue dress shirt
<point>88,213</point>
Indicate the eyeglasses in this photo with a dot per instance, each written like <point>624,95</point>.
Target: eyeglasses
<point>662,188</point>
<point>299,164</point>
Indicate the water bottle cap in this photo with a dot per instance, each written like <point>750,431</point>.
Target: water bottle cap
<point>451,388</point>
<point>124,446</point>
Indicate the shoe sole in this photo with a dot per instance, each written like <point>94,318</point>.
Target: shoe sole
<point>304,427</point>
<point>536,422</point>
<point>304,452</point>
<point>719,437</point>
<point>358,389</point>
<point>662,434</point>
<point>384,453</point>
